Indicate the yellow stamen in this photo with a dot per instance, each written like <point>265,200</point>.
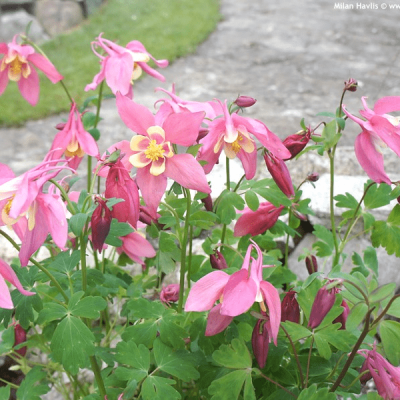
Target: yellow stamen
<point>262,306</point>
<point>154,151</point>
<point>236,145</point>
<point>7,207</point>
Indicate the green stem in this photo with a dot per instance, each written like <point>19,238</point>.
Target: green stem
<point>183,250</point>
<point>83,262</point>
<point>33,261</point>
<point>189,268</point>
<point>287,242</point>
<point>65,196</point>
<point>228,178</point>
<point>309,361</point>
<point>98,377</point>
<point>277,384</point>
<point>331,154</point>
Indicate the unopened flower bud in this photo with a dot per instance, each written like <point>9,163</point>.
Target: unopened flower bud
<point>295,143</point>
<point>61,126</point>
<point>366,377</point>
<point>100,223</point>
<point>324,301</point>
<point>280,173</point>
<point>260,342</point>
<point>20,337</point>
<point>218,261</point>
<point>342,318</point>
<point>351,85</point>
<point>311,264</point>
<point>290,308</point>
<point>245,101</point>
<point>208,203</point>
<point>170,293</point>
<point>203,132</point>
<point>313,177</point>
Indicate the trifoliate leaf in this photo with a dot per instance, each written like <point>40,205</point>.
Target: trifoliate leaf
<point>252,200</point>
<point>135,356</point>
<point>157,388</point>
<point>378,195</point>
<point>51,312</point>
<point>325,244</point>
<point>235,355</point>
<point>202,219</point>
<point>77,223</point>
<point>31,388</point>
<point>229,386</point>
<point>312,393</point>
<point>228,203</point>
<point>89,307</point>
<point>65,261</point>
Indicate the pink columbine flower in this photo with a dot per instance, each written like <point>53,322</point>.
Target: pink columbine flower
<point>121,66</point>
<point>386,376</point>
<point>8,274</point>
<point>152,150</point>
<point>236,294</point>
<point>18,65</point>
<point>259,221</point>
<point>232,133</point>
<point>379,130</point>
<point>136,247</point>
<point>31,213</point>
<point>73,141</point>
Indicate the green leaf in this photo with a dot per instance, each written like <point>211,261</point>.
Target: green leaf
<point>7,340</point>
<point>95,133</point>
<point>177,363</point>
<point>325,244</point>
<point>312,393</point>
<point>135,356</point>
<point>202,219</point>
<point>228,203</point>
<point>329,135</point>
<point>390,335</point>
<point>65,261</point>
<point>89,307</point>
<point>171,332</point>
<point>157,388</point>
<point>346,201</point>
<point>252,200</point>
<point>31,388</point>
<point>77,223</point>
<point>72,344</point>
<point>377,195</point>
<point>371,259</point>
<point>88,119</point>
<point>296,331</point>
<point>142,333</point>
<point>235,355</point>
<point>5,393</point>
<point>117,229</point>
<point>51,312</point>
<point>331,335</point>
<point>356,316</point>
<point>229,386</point>
<point>382,292</point>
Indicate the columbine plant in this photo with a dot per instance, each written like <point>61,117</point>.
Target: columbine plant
<point>165,290</point>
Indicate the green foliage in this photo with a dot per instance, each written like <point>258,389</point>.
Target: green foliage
<point>31,387</point>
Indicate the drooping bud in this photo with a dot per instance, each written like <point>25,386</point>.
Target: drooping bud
<point>366,377</point>
<point>313,177</point>
<point>170,293</point>
<point>20,337</point>
<point>260,342</point>
<point>351,85</point>
<point>100,223</point>
<point>218,261</point>
<point>295,143</point>
<point>208,203</point>
<point>290,308</point>
<point>280,173</point>
<point>311,264</point>
<point>245,101</point>
<point>203,132</point>
<point>148,218</point>
<point>324,301</point>
<point>342,318</point>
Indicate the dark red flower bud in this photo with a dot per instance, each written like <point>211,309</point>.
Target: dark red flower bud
<point>311,264</point>
<point>218,261</point>
<point>290,308</point>
<point>20,337</point>
<point>245,101</point>
<point>280,173</point>
<point>342,318</point>
<point>61,126</point>
<point>100,223</point>
<point>351,85</point>
<point>260,342</point>
<point>208,203</point>
<point>313,177</point>
<point>147,217</point>
<point>295,143</point>
<point>203,132</point>
<point>366,377</point>
<point>170,293</point>
<point>324,301</point>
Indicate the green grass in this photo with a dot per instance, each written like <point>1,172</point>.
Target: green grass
<point>167,28</point>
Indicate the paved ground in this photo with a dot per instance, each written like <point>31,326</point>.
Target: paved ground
<point>292,57</point>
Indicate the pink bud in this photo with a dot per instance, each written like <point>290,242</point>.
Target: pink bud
<point>365,378</point>
<point>342,318</point>
<point>351,85</point>
<point>100,223</point>
<point>324,301</point>
<point>290,308</point>
<point>20,337</point>
<point>203,132</point>
<point>217,260</point>
<point>208,203</point>
<point>313,177</point>
<point>280,173</point>
<point>295,143</point>
<point>260,342</point>
<point>170,293</point>
<point>245,101</point>
<point>311,264</point>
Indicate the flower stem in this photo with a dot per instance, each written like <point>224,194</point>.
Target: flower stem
<point>83,262</point>
<point>308,361</point>
<point>97,375</point>
<point>331,154</point>
<point>183,243</point>
<point>228,178</point>
<point>277,384</point>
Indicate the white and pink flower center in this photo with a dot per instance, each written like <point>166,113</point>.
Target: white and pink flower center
<point>242,142</point>
<point>17,66</point>
<point>151,150</point>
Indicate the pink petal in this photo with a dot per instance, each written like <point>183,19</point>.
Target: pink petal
<point>206,291</point>
<point>249,162</point>
<point>125,148</point>
<point>184,169</point>
<point>387,132</point>
<point>3,48</point>
<point>135,117</point>
<point>118,72</point>
<point>239,294</point>
<point>387,104</point>
<point>271,297</point>
<point>136,246</point>
<point>216,322</point>
<point>370,159</point>
<point>46,67</point>
<point>29,87</point>
<point>183,128</point>
<point>3,80</point>
<point>6,173</point>
<point>5,297</point>
<point>8,274</point>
